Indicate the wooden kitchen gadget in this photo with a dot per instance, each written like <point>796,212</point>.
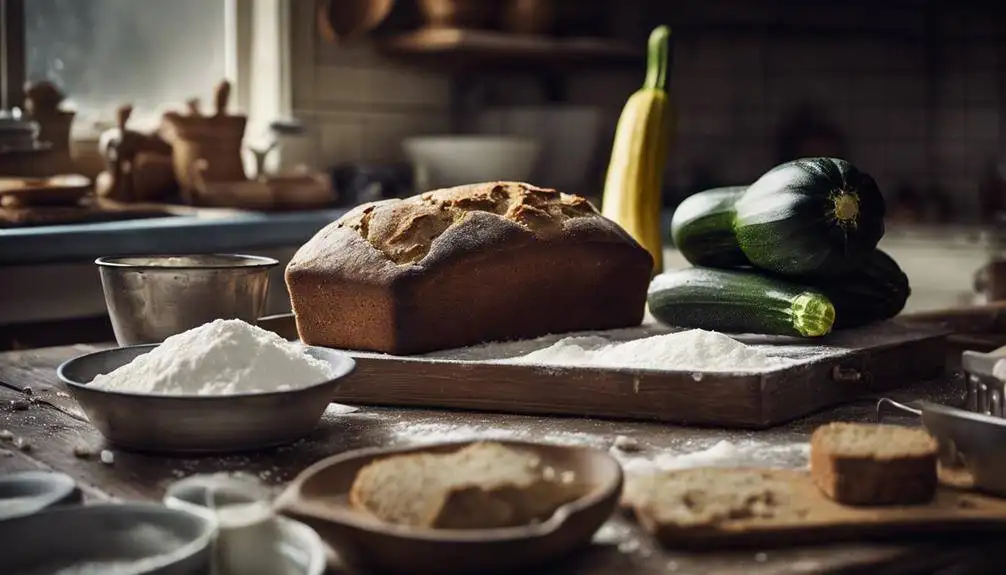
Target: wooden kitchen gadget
<point>806,516</point>
<point>844,366</point>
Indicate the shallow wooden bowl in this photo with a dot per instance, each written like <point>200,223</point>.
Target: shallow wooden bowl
<point>66,189</point>
<point>319,497</point>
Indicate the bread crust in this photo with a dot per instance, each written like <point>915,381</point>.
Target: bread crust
<point>466,265</point>
<point>868,479</point>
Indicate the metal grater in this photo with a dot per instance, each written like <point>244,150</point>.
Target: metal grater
<point>984,390</point>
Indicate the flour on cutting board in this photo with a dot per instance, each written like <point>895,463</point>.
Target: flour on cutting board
<point>652,346</point>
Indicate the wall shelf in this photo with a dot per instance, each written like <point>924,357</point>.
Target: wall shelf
<point>468,50</point>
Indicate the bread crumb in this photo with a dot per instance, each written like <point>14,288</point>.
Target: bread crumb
<point>761,557</point>
<point>626,444</point>
<point>22,444</point>
<point>107,457</point>
<point>83,451</point>
<point>6,435</point>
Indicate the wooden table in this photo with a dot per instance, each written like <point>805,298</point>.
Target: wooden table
<point>35,407</point>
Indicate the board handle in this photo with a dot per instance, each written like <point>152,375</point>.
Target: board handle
<point>847,374</point>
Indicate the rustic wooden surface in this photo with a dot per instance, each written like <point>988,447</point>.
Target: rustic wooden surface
<point>51,423</point>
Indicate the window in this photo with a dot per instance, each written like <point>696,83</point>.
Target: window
<point>105,53</point>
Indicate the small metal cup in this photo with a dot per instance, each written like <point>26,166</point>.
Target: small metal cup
<point>151,298</point>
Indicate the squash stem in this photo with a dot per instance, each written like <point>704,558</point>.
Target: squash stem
<point>813,314</point>
<point>657,58</point>
<point>846,207</point>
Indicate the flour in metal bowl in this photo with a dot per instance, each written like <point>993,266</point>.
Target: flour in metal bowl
<point>223,357</point>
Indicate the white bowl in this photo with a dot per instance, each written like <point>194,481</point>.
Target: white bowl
<point>444,161</point>
<point>569,135</point>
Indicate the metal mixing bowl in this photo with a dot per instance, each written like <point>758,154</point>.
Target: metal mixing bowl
<point>150,298</point>
<point>169,423</point>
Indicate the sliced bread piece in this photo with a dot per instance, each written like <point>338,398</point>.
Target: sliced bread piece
<point>709,496</point>
<point>484,485</point>
<point>870,464</point>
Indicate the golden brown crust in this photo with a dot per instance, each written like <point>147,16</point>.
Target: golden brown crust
<point>466,265</point>
<point>853,475</point>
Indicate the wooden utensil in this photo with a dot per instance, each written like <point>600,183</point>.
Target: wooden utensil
<point>318,497</point>
<point>341,21</point>
<point>825,521</point>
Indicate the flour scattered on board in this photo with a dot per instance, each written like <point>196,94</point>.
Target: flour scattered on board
<point>695,349</point>
<point>721,454</point>
<point>223,357</point>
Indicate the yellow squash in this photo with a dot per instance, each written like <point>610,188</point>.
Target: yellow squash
<point>632,188</point>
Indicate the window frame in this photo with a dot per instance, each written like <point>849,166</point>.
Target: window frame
<point>257,36</point>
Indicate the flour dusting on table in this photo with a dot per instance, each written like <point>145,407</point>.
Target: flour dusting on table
<point>223,357</point>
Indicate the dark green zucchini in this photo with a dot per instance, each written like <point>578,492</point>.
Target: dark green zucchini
<point>702,229</point>
<point>739,302</point>
<point>875,291</point>
<point>813,217</point>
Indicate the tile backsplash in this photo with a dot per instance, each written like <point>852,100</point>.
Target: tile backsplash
<point>919,101</point>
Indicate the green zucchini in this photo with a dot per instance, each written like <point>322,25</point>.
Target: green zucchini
<point>875,291</point>
<point>702,229</point>
<point>813,217</point>
<point>739,302</point>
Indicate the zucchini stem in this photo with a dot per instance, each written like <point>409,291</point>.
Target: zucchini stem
<point>813,314</point>
<point>657,58</point>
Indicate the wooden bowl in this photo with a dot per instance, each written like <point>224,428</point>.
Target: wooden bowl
<point>58,190</point>
<point>458,13</point>
<point>319,498</point>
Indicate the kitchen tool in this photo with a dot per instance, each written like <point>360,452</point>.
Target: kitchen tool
<point>29,492</point>
<point>150,298</point>
<point>138,166</point>
<point>841,367</point>
<point>952,512</point>
<point>198,423</point>
<point>345,20</point>
<point>108,538</point>
<point>318,497</point>
<point>251,539</point>
<point>968,440</point>
<point>569,137</point>
<point>984,390</point>
<point>444,161</point>
<point>65,189</point>
<point>215,139</point>
<point>457,13</point>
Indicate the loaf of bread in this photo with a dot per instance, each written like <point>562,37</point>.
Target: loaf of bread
<point>482,486</point>
<point>868,464</point>
<point>466,265</point>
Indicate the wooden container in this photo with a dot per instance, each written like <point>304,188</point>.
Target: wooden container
<point>211,142</point>
<point>458,13</point>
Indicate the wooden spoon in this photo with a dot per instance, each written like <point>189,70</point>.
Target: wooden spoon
<point>344,20</point>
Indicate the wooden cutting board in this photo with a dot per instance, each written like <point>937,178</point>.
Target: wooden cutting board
<point>822,520</point>
<point>836,369</point>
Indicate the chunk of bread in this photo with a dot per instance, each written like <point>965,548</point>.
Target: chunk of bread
<point>466,265</point>
<point>869,464</point>
<point>706,497</point>
<point>484,485</point>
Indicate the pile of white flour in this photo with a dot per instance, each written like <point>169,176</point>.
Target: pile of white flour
<point>692,350</point>
<point>223,357</point>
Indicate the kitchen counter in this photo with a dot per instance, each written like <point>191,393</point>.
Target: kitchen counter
<point>52,424</point>
<point>225,231</point>
<point>48,272</point>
